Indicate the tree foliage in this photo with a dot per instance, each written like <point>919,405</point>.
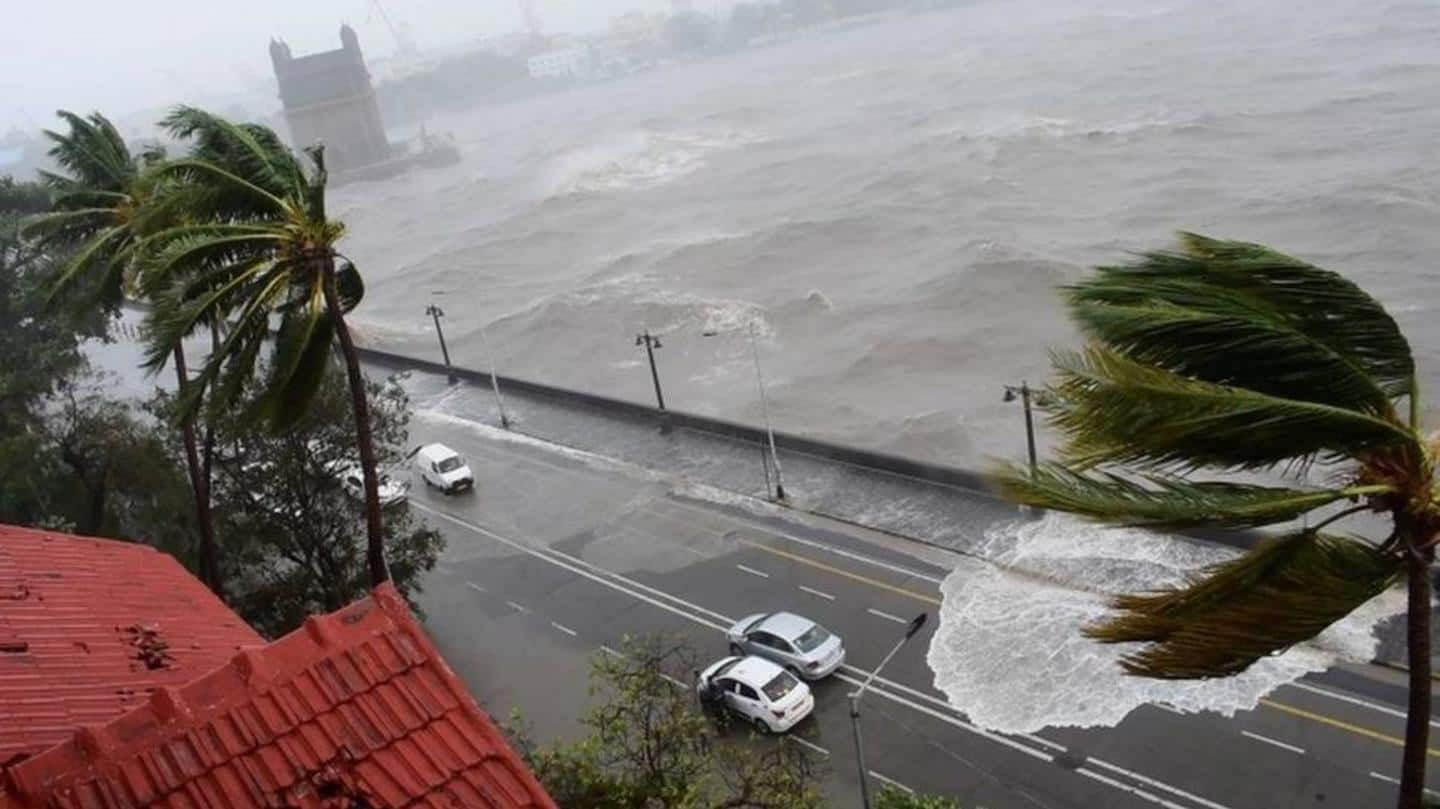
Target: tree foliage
<point>294,539</point>
<point>650,747</point>
<point>892,798</point>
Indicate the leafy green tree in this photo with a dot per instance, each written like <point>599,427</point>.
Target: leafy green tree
<point>106,202</point>
<point>257,243</point>
<point>41,351</point>
<point>1227,356</point>
<point>891,798</point>
<point>293,537</point>
<point>650,747</point>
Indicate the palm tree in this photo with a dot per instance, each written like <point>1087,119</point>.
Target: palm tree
<point>105,203</point>
<point>1231,357</point>
<point>259,245</point>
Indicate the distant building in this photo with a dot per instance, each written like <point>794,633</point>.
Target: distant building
<point>562,63</point>
<point>328,99</point>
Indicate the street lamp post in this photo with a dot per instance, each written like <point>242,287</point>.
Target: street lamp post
<point>1025,394</point>
<point>765,411</point>
<point>910,631</point>
<point>651,343</point>
<point>494,378</point>
<point>435,314</point>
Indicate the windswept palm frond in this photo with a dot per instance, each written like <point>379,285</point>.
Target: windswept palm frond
<point>92,153</point>
<point>1118,410</point>
<point>1243,314</point>
<point>1284,592</point>
<point>1166,501</point>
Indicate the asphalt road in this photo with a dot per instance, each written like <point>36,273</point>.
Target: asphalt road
<point>554,559</point>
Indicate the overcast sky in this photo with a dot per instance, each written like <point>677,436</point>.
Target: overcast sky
<point>121,56</point>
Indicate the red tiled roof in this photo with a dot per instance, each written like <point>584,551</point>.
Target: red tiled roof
<point>89,627</point>
<point>356,708</point>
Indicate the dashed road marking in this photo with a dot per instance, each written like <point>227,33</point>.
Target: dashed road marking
<point>473,586</point>
<point>752,571</point>
<point>1266,739</point>
<point>567,630</point>
<point>1325,720</point>
<point>1384,778</point>
<point>817,593</point>
<point>887,616</point>
<point>805,560</point>
<point>807,743</point>
<point>1162,706</point>
<point>517,607</point>
<point>892,782</point>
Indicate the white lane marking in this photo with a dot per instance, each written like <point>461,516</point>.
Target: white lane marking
<point>892,782</point>
<point>674,681</point>
<point>1156,784</point>
<point>752,571</point>
<point>1364,703</point>
<point>1162,706</point>
<point>1385,778</point>
<point>567,630</point>
<point>1136,791</point>
<point>1266,739</point>
<point>817,593</point>
<point>607,650</point>
<point>809,543</point>
<point>807,743</point>
<point>948,716</point>
<point>887,616</point>
<point>473,586</point>
<point>517,607</point>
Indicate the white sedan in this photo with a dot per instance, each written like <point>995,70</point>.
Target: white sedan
<point>391,491</point>
<point>766,695</point>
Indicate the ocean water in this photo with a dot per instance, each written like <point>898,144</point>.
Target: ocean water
<point>894,206</point>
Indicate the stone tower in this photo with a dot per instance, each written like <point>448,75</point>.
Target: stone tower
<point>328,99</point>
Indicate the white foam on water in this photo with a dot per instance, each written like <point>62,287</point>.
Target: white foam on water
<point>1009,654</point>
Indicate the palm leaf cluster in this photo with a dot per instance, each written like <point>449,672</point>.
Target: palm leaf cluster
<point>99,196</point>
<point>257,256</point>
<point>1227,356</point>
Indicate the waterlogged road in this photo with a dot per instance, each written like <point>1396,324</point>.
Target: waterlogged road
<point>557,557</point>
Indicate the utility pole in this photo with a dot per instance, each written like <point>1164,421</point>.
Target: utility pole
<point>494,378</point>
<point>1025,393</point>
<point>436,313</point>
<point>765,410</point>
<point>864,773</point>
<point>651,343</point>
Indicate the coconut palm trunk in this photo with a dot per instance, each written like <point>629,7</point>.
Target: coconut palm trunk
<point>200,487</point>
<point>1417,722</point>
<point>374,532</point>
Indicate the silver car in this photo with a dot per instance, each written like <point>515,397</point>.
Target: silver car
<point>799,644</point>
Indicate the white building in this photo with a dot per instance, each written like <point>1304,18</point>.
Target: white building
<point>563,63</point>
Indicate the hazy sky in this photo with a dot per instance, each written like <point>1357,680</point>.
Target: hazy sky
<point>125,55</point>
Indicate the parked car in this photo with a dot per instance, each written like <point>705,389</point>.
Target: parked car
<point>391,491</point>
<point>807,649</point>
<point>443,468</point>
<point>761,692</point>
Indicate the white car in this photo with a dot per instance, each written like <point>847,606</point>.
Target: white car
<point>799,644</point>
<point>443,468</point>
<point>391,491</point>
<point>766,695</point>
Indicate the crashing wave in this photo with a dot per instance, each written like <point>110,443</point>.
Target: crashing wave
<point>1009,654</point>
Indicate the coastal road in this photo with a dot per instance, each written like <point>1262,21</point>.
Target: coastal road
<point>557,557</point>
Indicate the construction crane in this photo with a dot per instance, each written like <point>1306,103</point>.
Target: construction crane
<point>403,40</point>
<point>532,20</point>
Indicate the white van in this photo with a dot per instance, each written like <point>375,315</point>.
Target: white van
<point>443,468</point>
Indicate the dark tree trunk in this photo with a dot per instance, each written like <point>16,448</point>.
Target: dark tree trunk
<point>1417,721</point>
<point>200,487</point>
<point>375,553</point>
